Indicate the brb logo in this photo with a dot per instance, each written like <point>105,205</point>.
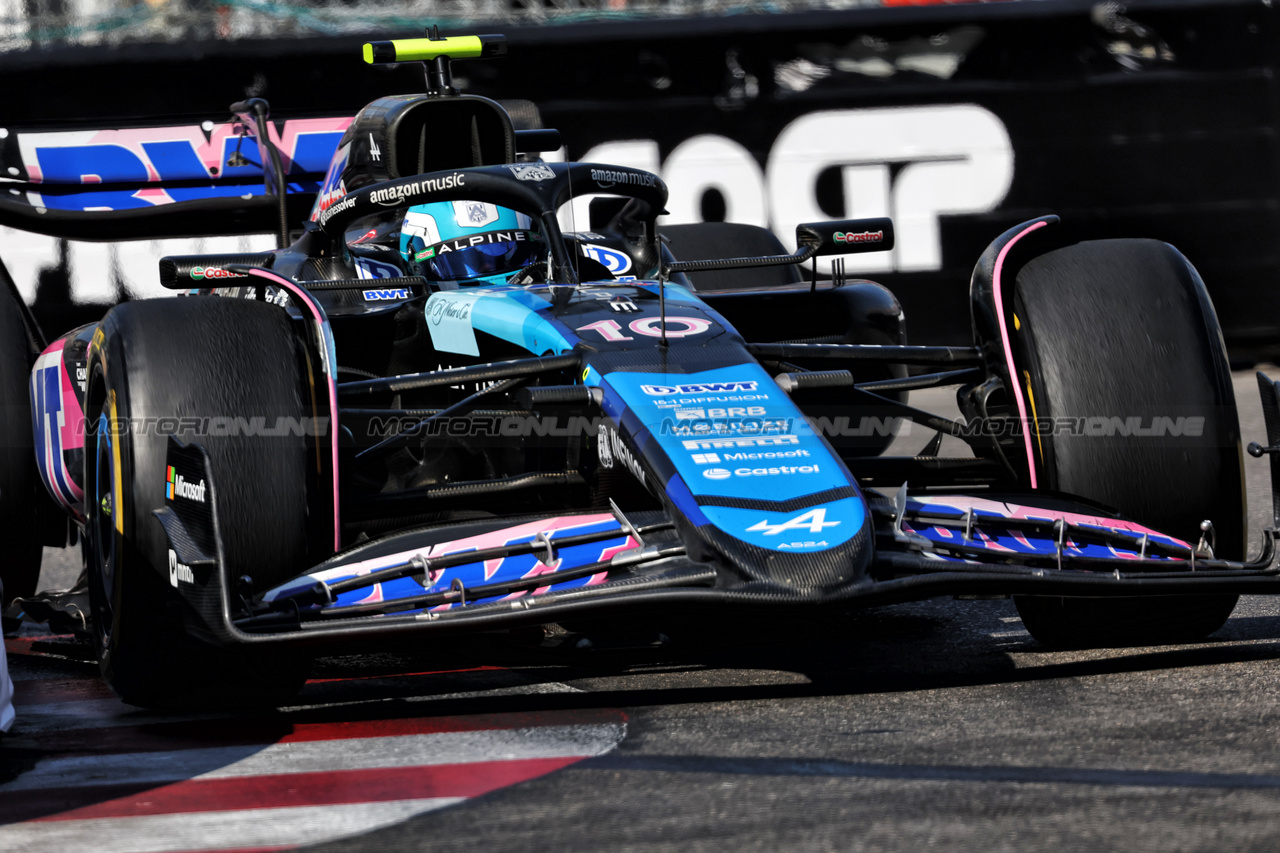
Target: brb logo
<point>913,164</point>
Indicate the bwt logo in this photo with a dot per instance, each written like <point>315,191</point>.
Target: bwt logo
<point>392,293</point>
<point>913,164</point>
<point>697,388</point>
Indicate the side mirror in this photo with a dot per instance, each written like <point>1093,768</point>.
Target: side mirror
<point>536,141</point>
<point>846,236</point>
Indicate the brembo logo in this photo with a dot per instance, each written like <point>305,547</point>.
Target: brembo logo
<point>702,388</point>
<point>864,237</point>
<point>393,196</point>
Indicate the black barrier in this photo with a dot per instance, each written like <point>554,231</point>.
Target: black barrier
<point>958,121</point>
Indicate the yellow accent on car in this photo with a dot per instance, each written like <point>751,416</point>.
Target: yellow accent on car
<point>117,484</point>
<point>1035,420</point>
<point>1017,326</point>
<point>456,47</point>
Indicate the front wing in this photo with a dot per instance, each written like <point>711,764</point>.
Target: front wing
<point>503,573</point>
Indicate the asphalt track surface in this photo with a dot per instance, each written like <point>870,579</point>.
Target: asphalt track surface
<point>939,724</point>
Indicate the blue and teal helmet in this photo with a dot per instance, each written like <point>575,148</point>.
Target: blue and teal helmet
<point>471,242</point>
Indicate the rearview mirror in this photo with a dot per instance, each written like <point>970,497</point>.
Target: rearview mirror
<point>846,236</point>
<point>537,140</point>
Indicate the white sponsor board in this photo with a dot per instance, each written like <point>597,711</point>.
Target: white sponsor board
<point>913,164</point>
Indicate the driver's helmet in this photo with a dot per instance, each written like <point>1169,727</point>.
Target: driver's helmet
<point>470,242</point>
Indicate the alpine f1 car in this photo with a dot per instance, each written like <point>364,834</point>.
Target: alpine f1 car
<point>435,411</point>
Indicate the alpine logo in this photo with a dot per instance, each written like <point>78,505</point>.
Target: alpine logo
<point>700,388</point>
<point>374,151</point>
<point>480,240</point>
<point>814,521</point>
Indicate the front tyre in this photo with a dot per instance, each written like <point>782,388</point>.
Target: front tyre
<point>1104,333</point>
<point>193,362</point>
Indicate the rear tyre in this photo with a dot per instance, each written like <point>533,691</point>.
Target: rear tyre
<point>19,479</point>
<point>1123,329</point>
<point>192,359</point>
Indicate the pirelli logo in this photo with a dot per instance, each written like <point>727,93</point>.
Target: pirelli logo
<point>753,441</point>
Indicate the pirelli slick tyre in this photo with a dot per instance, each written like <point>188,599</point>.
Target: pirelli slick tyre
<point>1106,332</point>
<point>190,359</point>
<point>19,479</point>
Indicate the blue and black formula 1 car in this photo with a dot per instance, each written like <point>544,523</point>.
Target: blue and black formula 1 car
<point>436,412</point>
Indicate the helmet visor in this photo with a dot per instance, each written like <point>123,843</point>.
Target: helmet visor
<point>477,256</point>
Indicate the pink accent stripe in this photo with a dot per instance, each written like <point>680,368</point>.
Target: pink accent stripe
<point>1008,349</point>
<point>318,313</point>
<point>1012,510</point>
<point>241,849</point>
<point>70,434</point>
<point>286,790</point>
<point>492,539</point>
<point>72,430</point>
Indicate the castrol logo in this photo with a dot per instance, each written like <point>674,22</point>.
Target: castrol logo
<point>864,237</point>
<point>215,272</point>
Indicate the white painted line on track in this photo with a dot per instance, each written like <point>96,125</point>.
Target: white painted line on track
<point>215,830</point>
<point>360,753</point>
